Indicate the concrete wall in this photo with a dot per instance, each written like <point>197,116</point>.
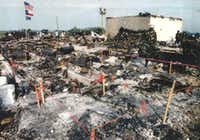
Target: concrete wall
<point>113,24</point>
<point>166,28</point>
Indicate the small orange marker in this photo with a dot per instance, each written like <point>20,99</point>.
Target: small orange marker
<point>92,134</point>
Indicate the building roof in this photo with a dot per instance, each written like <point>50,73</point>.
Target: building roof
<point>147,15</point>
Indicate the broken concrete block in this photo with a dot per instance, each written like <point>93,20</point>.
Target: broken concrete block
<point>112,60</point>
<point>7,97</point>
<point>1,58</point>
<point>3,80</point>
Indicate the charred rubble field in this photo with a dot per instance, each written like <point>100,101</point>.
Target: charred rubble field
<point>76,106</point>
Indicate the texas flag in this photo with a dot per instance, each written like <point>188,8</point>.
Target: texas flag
<point>28,10</point>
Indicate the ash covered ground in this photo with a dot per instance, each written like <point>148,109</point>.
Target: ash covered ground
<point>135,98</point>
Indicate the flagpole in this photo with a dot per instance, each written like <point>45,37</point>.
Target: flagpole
<point>27,27</point>
<point>26,30</point>
<point>25,18</point>
<point>28,15</point>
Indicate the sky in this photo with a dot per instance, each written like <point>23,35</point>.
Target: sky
<point>85,13</point>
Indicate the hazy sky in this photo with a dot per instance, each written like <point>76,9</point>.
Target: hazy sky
<point>84,13</point>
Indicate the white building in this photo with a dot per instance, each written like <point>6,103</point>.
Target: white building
<point>165,27</point>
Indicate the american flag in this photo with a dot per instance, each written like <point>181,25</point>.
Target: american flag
<point>28,10</point>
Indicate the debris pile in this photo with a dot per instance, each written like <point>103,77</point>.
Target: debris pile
<point>68,90</point>
<point>126,38</point>
<point>191,50</point>
<point>85,36</point>
<point>144,40</point>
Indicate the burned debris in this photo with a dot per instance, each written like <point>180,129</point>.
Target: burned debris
<point>135,39</point>
<point>82,87</point>
<point>143,40</point>
<point>191,49</point>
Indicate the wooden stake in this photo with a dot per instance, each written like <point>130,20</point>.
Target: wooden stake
<point>103,86</point>
<point>42,90</point>
<point>109,51</point>
<point>37,92</point>
<point>169,101</point>
<point>92,134</point>
<point>170,68</point>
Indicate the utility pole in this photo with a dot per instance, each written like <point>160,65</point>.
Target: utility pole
<point>57,32</point>
<point>102,12</point>
<point>57,24</point>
